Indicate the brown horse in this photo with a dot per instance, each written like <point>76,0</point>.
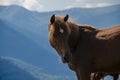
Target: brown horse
<point>85,49</point>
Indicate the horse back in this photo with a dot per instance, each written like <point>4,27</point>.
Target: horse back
<point>109,33</point>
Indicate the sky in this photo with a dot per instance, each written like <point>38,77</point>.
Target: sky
<point>51,5</point>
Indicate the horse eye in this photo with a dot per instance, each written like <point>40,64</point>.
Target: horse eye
<point>61,30</point>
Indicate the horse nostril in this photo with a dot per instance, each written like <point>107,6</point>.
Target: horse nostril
<point>66,58</point>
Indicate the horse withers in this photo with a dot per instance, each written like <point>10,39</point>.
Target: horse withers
<point>85,49</point>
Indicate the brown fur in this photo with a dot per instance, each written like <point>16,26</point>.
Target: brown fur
<point>85,49</point>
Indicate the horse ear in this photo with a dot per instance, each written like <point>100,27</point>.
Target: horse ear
<point>52,20</point>
<point>66,17</point>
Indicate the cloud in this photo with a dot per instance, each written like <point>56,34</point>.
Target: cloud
<point>9,2</point>
<point>97,1</point>
<point>32,5</point>
<point>36,5</point>
<point>92,3</point>
<point>103,4</point>
<point>28,4</point>
<point>88,5</point>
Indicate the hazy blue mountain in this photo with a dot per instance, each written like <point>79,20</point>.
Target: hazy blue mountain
<point>16,44</point>
<point>14,69</point>
<point>24,34</point>
<point>28,43</point>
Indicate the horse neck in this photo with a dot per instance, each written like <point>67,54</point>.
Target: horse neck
<point>74,36</point>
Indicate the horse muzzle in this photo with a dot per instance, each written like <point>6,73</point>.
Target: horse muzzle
<point>66,58</point>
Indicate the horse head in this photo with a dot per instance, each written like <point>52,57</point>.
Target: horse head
<point>58,35</point>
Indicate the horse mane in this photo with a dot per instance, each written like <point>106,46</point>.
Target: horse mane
<point>88,28</point>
